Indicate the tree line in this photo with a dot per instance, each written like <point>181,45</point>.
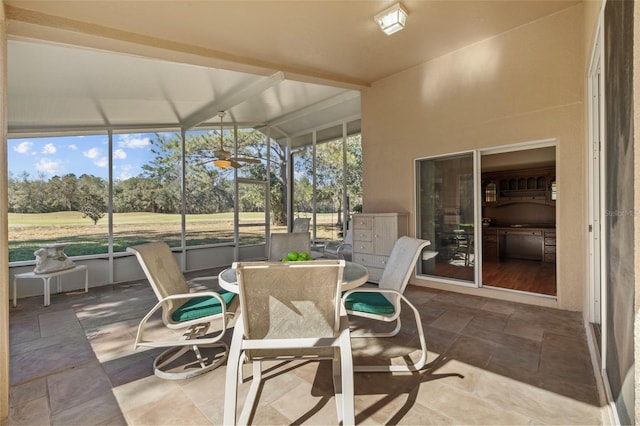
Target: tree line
<point>207,189</point>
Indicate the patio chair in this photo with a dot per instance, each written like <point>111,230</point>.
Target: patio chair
<point>290,311</point>
<point>281,243</point>
<point>189,313</point>
<point>383,303</point>
<point>340,249</point>
<point>301,224</point>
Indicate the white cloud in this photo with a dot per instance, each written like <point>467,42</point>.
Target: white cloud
<point>133,141</point>
<point>49,149</point>
<point>119,154</point>
<point>49,166</point>
<point>23,147</point>
<point>124,172</point>
<point>92,153</point>
<point>73,146</point>
<point>102,162</point>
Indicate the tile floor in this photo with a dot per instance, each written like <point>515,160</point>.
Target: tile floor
<point>492,362</point>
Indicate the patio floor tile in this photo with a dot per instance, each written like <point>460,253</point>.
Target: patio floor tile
<point>490,362</point>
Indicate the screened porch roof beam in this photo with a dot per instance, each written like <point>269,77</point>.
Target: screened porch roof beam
<point>246,93</point>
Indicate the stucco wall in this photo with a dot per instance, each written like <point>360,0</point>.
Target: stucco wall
<point>523,85</point>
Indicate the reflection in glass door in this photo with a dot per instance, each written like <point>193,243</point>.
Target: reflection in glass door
<point>446,216</point>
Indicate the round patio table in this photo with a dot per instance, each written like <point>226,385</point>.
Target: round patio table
<point>354,275</point>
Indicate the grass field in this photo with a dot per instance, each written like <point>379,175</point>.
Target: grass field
<point>28,232</point>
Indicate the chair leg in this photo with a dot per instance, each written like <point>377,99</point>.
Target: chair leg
<point>172,354</point>
<point>252,395</point>
<point>401,368</point>
<point>346,377</point>
<point>231,386</point>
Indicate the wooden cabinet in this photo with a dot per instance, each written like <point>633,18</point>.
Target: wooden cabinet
<point>374,235</point>
<point>549,246</point>
<point>518,186</point>
<point>489,243</point>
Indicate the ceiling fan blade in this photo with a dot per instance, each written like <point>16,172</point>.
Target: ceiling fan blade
<point>247,160</point>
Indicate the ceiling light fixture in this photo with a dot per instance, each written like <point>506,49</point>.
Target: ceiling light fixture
<point>223,164</point>
<point>392,20</point>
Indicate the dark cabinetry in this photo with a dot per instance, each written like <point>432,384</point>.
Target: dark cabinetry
<point>528,243</point>
<point>489,243</point>
<point>519,186</point>
<point>550,246</point>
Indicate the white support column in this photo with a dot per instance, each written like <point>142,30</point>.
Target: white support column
<point>110,208</point>
<point>4,227</point>
<point>345,211</point>
<point>636,207</point>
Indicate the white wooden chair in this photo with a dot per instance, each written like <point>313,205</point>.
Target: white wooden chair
<point>281,243</point>
<point>301,224</point>
<point>192,313</point>
<point>383,303</point>
<point>290,310</point>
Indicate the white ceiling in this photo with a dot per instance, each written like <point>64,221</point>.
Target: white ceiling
<point>292,65</point>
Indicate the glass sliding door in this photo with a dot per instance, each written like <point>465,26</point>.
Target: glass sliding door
<point>446,216</point>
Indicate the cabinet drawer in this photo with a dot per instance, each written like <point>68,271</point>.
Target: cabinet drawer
<point>550,234</point>
<point>490,238</point>
<point>360,235</point>
<point>363,223</point>
<point>370,260</point>
<point>365,247</point>
<point>550,249</point>
<point>549,241</point>
<point>550,257</point>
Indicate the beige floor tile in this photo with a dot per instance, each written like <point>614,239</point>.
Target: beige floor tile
<point>49,360</point>
<point>142,392</point>
<point>467,408</point>
<point>170,408</point>
<point>33,412</point>
<point>308,408</point>
<point>26,392</point>
<point>541,405</point>
<point>77,385</point>
<point>491,362</point>
<point>102,410</point>
<point>58,322</point>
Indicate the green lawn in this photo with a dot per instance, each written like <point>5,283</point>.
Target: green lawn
<point>28,232</point>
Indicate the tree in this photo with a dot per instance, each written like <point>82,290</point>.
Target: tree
<point>93,207</point>
<point>92,197</point>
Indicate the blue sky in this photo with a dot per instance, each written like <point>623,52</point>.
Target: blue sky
<point>79,154</point>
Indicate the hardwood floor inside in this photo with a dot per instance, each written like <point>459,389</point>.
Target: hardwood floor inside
<point>515,274</point>
<point>523,275</point>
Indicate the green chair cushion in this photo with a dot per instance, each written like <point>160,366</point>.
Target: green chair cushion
<point>373,303</point>
<point>203,306</point>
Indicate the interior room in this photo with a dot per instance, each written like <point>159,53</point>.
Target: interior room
<point>519,194</point>
<point>478,126</point>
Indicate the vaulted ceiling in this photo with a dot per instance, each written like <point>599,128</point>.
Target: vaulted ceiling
<point>290,66</point>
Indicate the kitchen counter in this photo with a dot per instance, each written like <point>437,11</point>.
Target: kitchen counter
<point>535,242</point>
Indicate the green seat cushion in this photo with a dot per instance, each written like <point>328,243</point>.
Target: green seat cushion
<point>372,303</point>
<point>203,306</point>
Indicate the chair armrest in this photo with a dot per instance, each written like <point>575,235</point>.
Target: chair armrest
<point>343,246</point>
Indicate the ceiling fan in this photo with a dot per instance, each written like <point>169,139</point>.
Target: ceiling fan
<point>224,158</point>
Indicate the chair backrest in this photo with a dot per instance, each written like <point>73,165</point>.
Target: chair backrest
<point>290,300</point>
<point>162,271</point>
<point>401,263</point>
<point>348,237</point>
<point>281,243</point>
<point>301,224</point>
